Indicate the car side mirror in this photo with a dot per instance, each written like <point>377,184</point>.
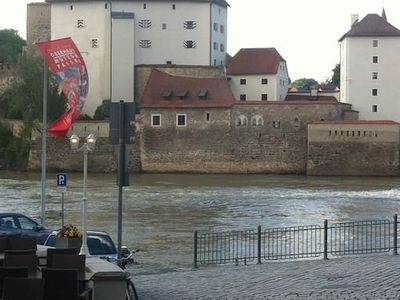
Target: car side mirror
<point>38,228</point>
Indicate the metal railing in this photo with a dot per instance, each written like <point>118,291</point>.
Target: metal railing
<point>312,241</point>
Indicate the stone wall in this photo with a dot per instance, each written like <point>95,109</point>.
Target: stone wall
<point>276,144</point>
<point>38,22</point>
<point>353,149</point>
<point>103,159</point>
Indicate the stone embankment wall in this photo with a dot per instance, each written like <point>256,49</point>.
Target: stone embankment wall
<point>103,159</point>
<point>249,138</point>
<point>353,149</point>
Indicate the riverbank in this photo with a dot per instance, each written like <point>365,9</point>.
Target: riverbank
<point>368,277</point>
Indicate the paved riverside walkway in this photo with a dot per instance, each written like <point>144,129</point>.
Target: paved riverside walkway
<point>367,277</point>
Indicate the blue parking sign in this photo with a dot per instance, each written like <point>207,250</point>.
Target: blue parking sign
<point>62,180</point>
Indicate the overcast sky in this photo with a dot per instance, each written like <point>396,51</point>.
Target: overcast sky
<point>304,32</point>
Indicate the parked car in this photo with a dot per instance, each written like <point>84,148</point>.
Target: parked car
<point>99,244</point>
<point>12,223</point>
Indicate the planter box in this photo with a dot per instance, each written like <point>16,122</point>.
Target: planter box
<point>68,242</point>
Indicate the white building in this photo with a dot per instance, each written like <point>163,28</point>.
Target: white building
<point>258,74</point>
<point>114,36</point>
<point>370,68</point>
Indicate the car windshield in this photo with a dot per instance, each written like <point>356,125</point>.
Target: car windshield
<point>98,244</point>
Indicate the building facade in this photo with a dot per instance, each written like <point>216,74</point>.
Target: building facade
<point>258,74</point>
<point>370,68</point>
<point>115,36</point>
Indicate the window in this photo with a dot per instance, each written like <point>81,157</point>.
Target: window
<point>164,26</point>
<point>105,6</point>
<point>222,28</point>
<point>189,24</point>
<point>169,62</point>
<point>257,120</point>
<point>264,81</point>
<point>94,43</point>
<point>25,223</point>
<point>222,47</point>
<point>242,97</point>
<point>374,108</point>
<point>215,26</point>
<point>155,120</point>
<point>80,23</point>
<point>242,81</point>
<point>375,59</point>
<point>215,62</point>
<point>189,44</point>
<point>374,75</point>
<point>173,6</point>
<point>374,92</point>
<point>144,6</point>
<point>374,43</point>
<point>145,23</point>
<point>207,116</point>
<point>181,120</point>
<point>71,7</point>
<point>215,46</point>
<point>241,121</point>
<point>145,44</point>
<point>264,97</point>
<point>276,124</point>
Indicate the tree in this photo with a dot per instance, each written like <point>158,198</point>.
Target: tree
<point>304,83</point>
<point>335,79</point>
<point>25,93</point>
<point>11,45</point>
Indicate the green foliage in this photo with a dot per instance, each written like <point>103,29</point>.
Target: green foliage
<point>14,151</point>
<point>10,45</point>
<point>336,76</point>
<point>99,113</point>
<point>304,83</point>
<point>85,117</point>
<point>25,94</point>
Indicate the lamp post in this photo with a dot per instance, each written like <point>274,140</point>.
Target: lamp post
<point>88,146</point>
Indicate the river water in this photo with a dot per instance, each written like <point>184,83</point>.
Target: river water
<point>161,212</point>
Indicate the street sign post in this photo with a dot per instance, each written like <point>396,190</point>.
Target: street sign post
<point>62,180</point>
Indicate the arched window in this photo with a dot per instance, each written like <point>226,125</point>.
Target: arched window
<point>241,121</point>
<point>257,120</point>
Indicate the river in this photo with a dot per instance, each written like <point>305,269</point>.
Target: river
<point>161,212</point>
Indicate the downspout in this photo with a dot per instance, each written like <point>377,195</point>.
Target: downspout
<point>111,39</point>
<point>211,30</point>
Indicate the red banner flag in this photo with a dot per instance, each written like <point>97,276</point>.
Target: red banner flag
<point>66,62</point>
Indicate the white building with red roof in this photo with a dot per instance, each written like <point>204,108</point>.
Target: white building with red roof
<point>258,74</point>
<point>370,68</point>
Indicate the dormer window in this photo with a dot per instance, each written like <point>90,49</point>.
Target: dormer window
<point>203,94</point>
<point>189,24</point>
<point>145,23</point>
<point>182,94</point>
<point>189,44</point>
<point>80,23</point>
<point>167,94</point>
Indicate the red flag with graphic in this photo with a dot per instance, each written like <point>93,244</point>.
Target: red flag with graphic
<point>66,62</point>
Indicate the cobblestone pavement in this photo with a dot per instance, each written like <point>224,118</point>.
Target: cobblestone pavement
<point>372,277</point>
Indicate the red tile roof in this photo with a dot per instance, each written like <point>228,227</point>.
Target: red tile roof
<point>360,122</point>
<point>168,91</point>
<point>255,61</point>
<point>310,98</point>
<point>372,25</point>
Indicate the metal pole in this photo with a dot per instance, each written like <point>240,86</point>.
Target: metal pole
<point>62,209</point>
<point>44,148</point>
<point>259,244</point>
<point>84,248</point>
<point>326,239</point>
<point>121,172</point>
<point>195,251</point>
<point>395,235</point>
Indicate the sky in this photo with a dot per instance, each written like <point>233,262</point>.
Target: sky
<point>305,32</point>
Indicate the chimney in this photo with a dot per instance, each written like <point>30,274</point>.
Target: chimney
<point>354,19</point>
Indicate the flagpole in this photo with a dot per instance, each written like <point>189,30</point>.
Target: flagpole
<point>44,147</point>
